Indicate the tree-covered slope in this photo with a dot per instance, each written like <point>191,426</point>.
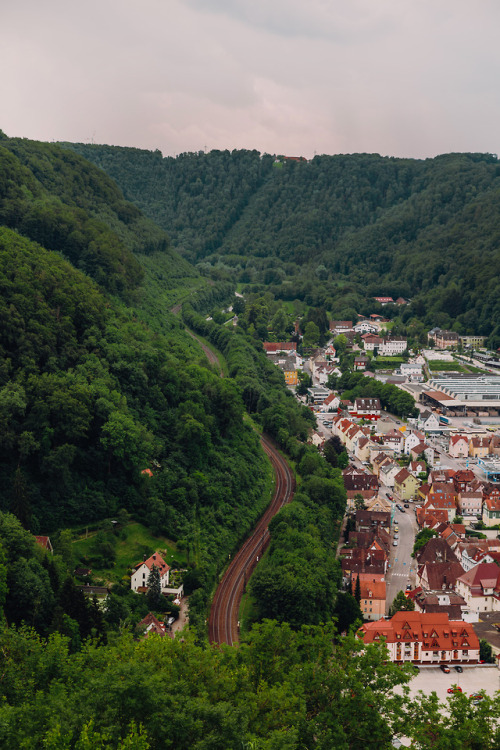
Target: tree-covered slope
<point>427,230</point>
<point>90,396</point>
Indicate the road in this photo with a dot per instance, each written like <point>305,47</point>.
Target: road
<point>402,565</point>
<point>223,621</point>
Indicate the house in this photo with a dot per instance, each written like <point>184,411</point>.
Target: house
<point>439,576</point>
<point>271,347</point>
<point>480,587</point>
<point>412,371</point>
<point>152,626</point>
<point>340,326</point>
<point>424,638</point>
<point>388,472</point>
<point>405,484</point>
<point>363,561</point>
<point>423,448</point>
<point>367,520</point>
<point>360,482</point>
<point>479,447</point>
<point>463,479</point>
<point>491,510</point>
<point>44,541</point>
<point>394,440</point>
<point>470,503</point>
<point>448,602</point>
<point>373,594</point>
<point>458,446</point>
<point>142,571</point>
<point>361,362</point>
<point>428,421</point>
<point>417,467</point>
<point>412,439</point>
<point>366,408</point>
<point>371,342</point>
<point>101,593</point>
<point>384,300</point>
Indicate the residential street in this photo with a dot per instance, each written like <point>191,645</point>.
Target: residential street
<point>402,566</point>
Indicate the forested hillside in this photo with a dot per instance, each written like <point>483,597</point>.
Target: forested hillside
<point>335,231</point>
<point>90,396</point>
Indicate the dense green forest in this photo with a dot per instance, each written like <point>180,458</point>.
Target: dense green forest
<point>333,232</point>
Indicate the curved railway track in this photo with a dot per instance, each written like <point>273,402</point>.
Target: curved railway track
<point>223,621</point>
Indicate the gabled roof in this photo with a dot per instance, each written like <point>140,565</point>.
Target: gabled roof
<point>157,560</point>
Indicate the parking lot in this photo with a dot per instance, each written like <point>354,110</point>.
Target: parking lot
<point>472,679</point>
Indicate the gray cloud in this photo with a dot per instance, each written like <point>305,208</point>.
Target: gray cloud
<point>394,76</point>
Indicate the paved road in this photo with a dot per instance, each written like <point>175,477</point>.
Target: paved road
<point>402,565</point>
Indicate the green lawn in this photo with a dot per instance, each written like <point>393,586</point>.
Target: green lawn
<point>137,541</point>
<point>438,365</point>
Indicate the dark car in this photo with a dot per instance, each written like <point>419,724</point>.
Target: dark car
<point>444,668</point>
<point>406,505</point>
<point>458,668</point>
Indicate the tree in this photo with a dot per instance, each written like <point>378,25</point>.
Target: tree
<point>154,595</point>
<point>401,603</point>
<point>347,612</point>
<point>359,502</point>
<point>486,652</point>
<point>357,590</point>
<point>311,334</point>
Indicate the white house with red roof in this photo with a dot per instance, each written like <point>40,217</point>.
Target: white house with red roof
<point>424,638</point>
<point>458,446</point>
<point>142,571</point>
<point>480,587</point>
<point>412,439</point>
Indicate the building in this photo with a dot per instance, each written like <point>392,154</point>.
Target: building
<point>458,446</point>
<point>472,342</point>
<point>373,595</point>
<point>271,347</point>
<point>480,587</point>
<point>424,638</point>
<point>470,503</point>
<point>392,346</point>
<point>142,571</point>
<point>384,300</point>
<point>405,484</point>
<point>340,326</point>
<point>366,408</point>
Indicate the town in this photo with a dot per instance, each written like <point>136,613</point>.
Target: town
<point>419,543</point>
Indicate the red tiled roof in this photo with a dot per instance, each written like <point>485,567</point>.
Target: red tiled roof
<point>434,629</point>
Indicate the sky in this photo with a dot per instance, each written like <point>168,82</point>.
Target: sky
<point>410,78</point>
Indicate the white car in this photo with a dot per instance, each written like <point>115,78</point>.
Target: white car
<point>395,543</point>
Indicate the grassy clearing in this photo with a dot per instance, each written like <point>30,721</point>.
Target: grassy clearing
<point>438,365</point>
<point>131,543</point>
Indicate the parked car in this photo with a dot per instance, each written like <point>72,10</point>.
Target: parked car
<point>476,697</point>
<point>407,505</point>
<point>455,689</point>
<point>444,668</point>
<point>395,543</point>
<point>458,668</point>
<point>396,536</point>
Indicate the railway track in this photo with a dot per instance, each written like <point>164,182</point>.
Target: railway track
<point>223,621</point>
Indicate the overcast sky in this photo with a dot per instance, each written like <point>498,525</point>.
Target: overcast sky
<point>397,77</point>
